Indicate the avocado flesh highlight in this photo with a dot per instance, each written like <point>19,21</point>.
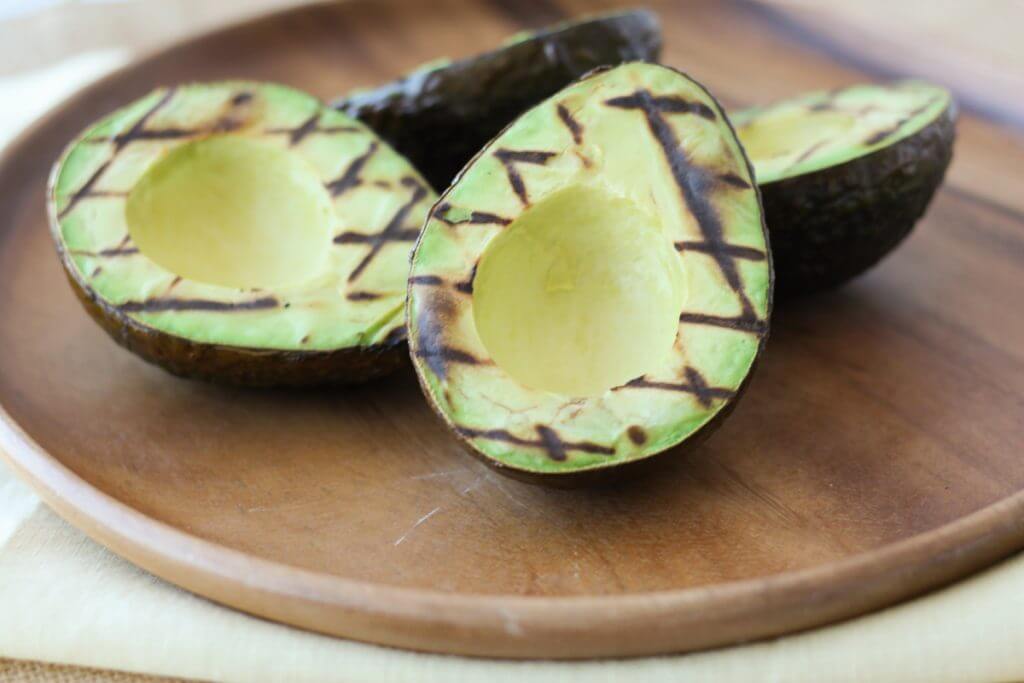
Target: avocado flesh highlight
<point>241,232</point>
<point>442,113</point>
<point>595,287</point>
<point>845,174</point>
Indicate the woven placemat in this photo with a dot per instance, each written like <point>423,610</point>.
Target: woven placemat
<point>21,671</point>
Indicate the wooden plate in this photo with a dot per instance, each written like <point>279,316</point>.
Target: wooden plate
<point>876,455</point>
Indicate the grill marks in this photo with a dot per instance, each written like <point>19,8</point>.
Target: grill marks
<point>510,157</point>
<point>741,323</point>
<point>880,135</point>
<point>806,154</point>
<point>734,180</point>
<point>442,211</point>
<point>392,232</point>
<point>351,176</point>
<point>694,384</point>
<point>693,181</point>
<point>309,127</point>
<point>574,126</point>
<point>162,305</point>
<point>548,440</point>
<point>119,142</point>
<point>734,251</point>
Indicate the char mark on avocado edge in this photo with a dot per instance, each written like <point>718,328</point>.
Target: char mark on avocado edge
<point>392,232</point>
<point>734,180</point>
<point>695,384</point>
<point>714,250</point>
<point>878,136</point>
<point>692,180</point>
<point>740,323</point>
<point>637,435</point>
<point>547,440</point>
<point>510,157</point>
<point>430,337</point>
<point>350,177</point>
<point>162,305</point>
<point>474,218</point>
<point>574,126</point>
<point>806,154</point>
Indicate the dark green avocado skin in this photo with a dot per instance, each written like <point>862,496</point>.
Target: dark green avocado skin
<point>441,118</point>
<point>829,226</point>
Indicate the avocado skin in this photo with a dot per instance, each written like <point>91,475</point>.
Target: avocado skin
<point>440,119</point>
<point>828,226</point>
<point>235,365</point>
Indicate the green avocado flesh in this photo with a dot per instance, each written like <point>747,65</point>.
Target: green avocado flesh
<point>595,286</point>
<point>442,113</point>
<point>845,174</point>
<point>239,215</point>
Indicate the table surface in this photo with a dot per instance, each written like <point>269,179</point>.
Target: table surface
<point>48,49</point>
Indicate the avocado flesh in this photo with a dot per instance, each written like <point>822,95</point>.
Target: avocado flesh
<point>442,113</point>
<point>241,232</point>
<point>594,288</point>
<point>844,175</point>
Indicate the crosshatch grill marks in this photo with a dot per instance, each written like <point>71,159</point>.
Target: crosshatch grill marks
<point>691,179</point>
<point>548,440</point>
<point>574,126</point>
<point>119,142</point>
<point>309,127</point>
<point>161,305</point>
<point>510,157</point>
<point>351,176</point>
<point>695,384</point>
<point>442,211</point>
<point>394,231</point>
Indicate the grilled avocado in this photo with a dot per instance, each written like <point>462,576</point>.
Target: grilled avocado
<point>241,232</point>
<point>441,114</point>
<point>595,287</point>
<point>845,174</point>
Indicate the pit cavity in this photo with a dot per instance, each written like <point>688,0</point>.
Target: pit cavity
<point>233,211</point>
<point>579,294</point>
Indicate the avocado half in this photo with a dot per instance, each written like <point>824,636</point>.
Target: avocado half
<point>440,115</point>
<point>845,174</point>
<point>241,232</point>
<point>595,286</point>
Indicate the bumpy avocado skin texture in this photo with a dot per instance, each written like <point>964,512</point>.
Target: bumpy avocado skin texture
<point>439,118</point>
<point>829,226</point>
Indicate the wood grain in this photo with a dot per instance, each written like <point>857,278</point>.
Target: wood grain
<point>876,454</point>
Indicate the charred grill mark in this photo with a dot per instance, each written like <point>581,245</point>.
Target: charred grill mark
<point>575,129</point>
<point>694,384</point>
<point>382,184</point>
<point>309,127</point>
<point>886,132</point>
<point>806,154</point>
<point>350,177</point>
<point>475,217</point>
<point>363,296</point>
<point>466,286</point>
<point>734,180</point>
<point>432,280</point>
<point>392,232</point>
<point>637,435</point>
<point>304,340</point>
<point>120,141</point>
<point>161,305</point>
<point>692,180</point>
<point>96,271</point>
<point>731,250</point>
<point>547,440</point>
<point>431,346</point>
<point>510,157</point>
<point>441,356</point>
<point>740,323</point>
<point>241,98</point>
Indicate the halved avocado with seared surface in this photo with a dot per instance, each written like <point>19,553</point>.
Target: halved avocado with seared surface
<point>845,174</point>
<point>241,232</point>
<point>594,289</point>
<point>440,115</point>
